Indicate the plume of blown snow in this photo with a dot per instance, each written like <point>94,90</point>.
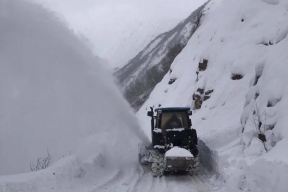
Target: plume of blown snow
<point>55,94</point>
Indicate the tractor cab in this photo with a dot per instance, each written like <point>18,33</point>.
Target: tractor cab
<point>171,127</point>
<point>174,142</point>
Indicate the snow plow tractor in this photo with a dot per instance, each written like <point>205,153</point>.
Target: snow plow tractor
<point>174,142</point>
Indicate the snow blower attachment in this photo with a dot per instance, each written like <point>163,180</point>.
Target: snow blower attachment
<point>174,142</point>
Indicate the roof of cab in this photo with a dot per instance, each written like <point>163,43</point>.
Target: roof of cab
<point>173,109</point>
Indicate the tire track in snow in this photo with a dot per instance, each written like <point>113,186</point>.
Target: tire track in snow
<point>200,184</point>
<point>146,182</point>
<point>135,178</point>
<point>170,183</point>
<point>124,183</point>
<point>143,179</point>
<point>111,180</point>
<point>139,179</point>
<point>179,182</point>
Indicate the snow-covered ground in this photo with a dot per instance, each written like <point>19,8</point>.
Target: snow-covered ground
<point>242,89</point>
<point>119,29</point>
<point>72,175</point>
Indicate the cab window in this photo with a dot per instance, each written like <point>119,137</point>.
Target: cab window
<point>174,120</point>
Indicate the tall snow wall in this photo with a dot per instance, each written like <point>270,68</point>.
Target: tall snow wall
<point>54,94</point>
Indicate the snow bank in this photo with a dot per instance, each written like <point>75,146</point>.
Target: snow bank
<point>178,152</point>
<point>54,95</point>
<point>67,174</point>
<point>233,73</point>
<point>267,176</point>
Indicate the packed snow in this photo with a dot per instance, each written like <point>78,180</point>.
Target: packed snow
<point>178,152</point>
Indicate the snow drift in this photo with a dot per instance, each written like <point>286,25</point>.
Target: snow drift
<point>233,74</point>
<point>54,94</point>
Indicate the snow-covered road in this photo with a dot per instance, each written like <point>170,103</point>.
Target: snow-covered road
<point>139,179</point>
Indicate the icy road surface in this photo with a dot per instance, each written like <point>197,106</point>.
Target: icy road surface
<point>139,179</point>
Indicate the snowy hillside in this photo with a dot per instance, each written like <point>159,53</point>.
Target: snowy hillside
<point>55,96</point>
<point>233,74</point>
<point>119,29</point>
<point>139,77</point>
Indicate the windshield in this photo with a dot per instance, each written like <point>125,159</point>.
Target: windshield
<point>174,120</point>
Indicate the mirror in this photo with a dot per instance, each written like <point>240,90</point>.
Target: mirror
<point>189,113</point>
<point>190,123</point>
<point>150,113</point>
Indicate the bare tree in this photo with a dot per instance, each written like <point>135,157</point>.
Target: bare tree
<point>258,120</point>
<point>42,163</point>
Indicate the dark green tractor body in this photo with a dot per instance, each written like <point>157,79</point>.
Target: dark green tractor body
<point>171,130</point>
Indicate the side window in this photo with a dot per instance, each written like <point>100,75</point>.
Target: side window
<point>184,120</point>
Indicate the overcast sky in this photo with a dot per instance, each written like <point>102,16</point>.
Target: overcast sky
<point>104,22</point>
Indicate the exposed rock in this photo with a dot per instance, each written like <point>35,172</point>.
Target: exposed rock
<point>196,96</point>
<point>236,76</point>
<point>201,91</point>
<point>262,137</point>
<point>198,103</point>
<point>171,81</point>
<point>197,100</point>
<point>272,103</point>
<point>209,92</point>
<point>256,95</point>
<point>206,97</point>
<point>257,77</point>
<point>203,65</point>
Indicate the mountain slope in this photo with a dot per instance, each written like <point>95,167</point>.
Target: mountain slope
<point>139,77</point>
<point>232,73</point>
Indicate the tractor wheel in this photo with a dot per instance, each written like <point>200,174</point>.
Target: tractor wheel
<point>196,166</point>
<point>157,167</point>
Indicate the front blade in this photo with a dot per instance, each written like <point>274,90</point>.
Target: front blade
<point>179,163</point>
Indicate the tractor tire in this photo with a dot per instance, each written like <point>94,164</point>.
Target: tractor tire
<point>157,169</point>
<point>196,167</point>
<point>157,166</point>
